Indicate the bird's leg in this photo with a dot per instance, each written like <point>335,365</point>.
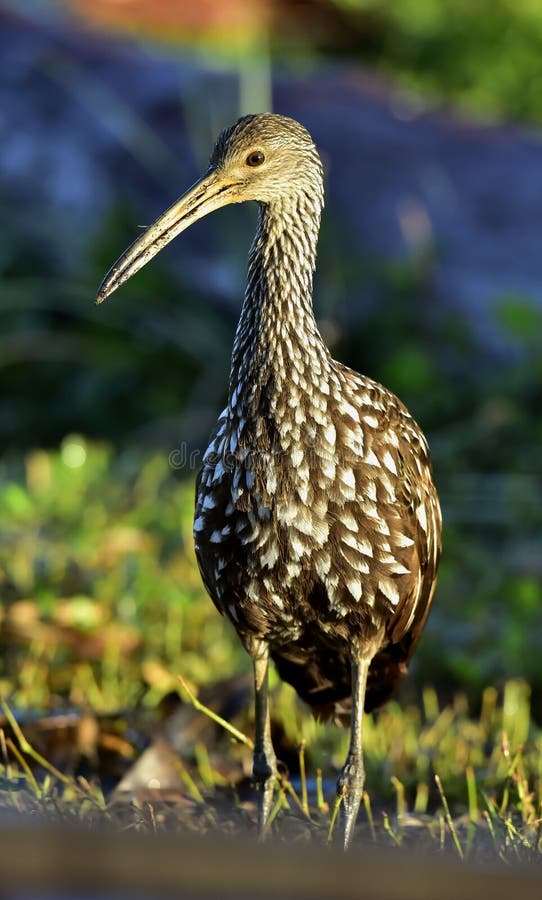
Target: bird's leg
<point>264,769</point>
<point>352,777</point>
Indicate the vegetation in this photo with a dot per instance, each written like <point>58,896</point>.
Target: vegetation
<point>102,605</point>
<point>105,610</point>
<point>483,56</point>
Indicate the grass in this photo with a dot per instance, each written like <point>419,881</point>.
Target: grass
<point>463,787</point>
<point>106,636</point>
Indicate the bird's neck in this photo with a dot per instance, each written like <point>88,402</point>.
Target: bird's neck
<point>277,343</point>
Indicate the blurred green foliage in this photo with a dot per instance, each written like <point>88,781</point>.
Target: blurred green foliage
<point>98,578</point>
<point>484,55</point>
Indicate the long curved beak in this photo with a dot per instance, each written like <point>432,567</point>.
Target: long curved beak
<point>210,192</point>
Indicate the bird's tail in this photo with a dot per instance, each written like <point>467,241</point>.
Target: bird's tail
<point>324,682</point>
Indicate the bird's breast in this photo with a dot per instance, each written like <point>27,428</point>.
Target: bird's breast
<point>307,522</point>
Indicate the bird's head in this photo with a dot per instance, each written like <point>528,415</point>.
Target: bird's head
<point>265,157</point>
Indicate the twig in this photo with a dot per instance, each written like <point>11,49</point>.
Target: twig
<point>448,818</point>
<point>197,704</point>
<point>322,804</point>
<point>303,776</point>
<point>334,815</point>
<point>401,802</point>
<point>28,749</point>
<point>369,813</point>
<point>389,830</point>
<point>24,765</point>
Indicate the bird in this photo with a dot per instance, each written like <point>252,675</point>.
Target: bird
<point>317,524</point>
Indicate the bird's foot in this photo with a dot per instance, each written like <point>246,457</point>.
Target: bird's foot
<point>350,788</point>
<point>264,773</point>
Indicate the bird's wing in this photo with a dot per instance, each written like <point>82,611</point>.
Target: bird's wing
<point>420,517</point>
<point>410,523</point>
<point>419,500</point>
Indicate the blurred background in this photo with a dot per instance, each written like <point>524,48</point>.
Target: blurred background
<point>427,114</point>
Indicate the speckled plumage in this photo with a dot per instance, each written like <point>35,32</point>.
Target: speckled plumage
<point>317,523</point>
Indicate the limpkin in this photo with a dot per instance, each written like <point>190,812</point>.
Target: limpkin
<point>317,523</point>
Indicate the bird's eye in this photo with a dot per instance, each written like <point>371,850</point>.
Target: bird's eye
<point>255,158</point>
